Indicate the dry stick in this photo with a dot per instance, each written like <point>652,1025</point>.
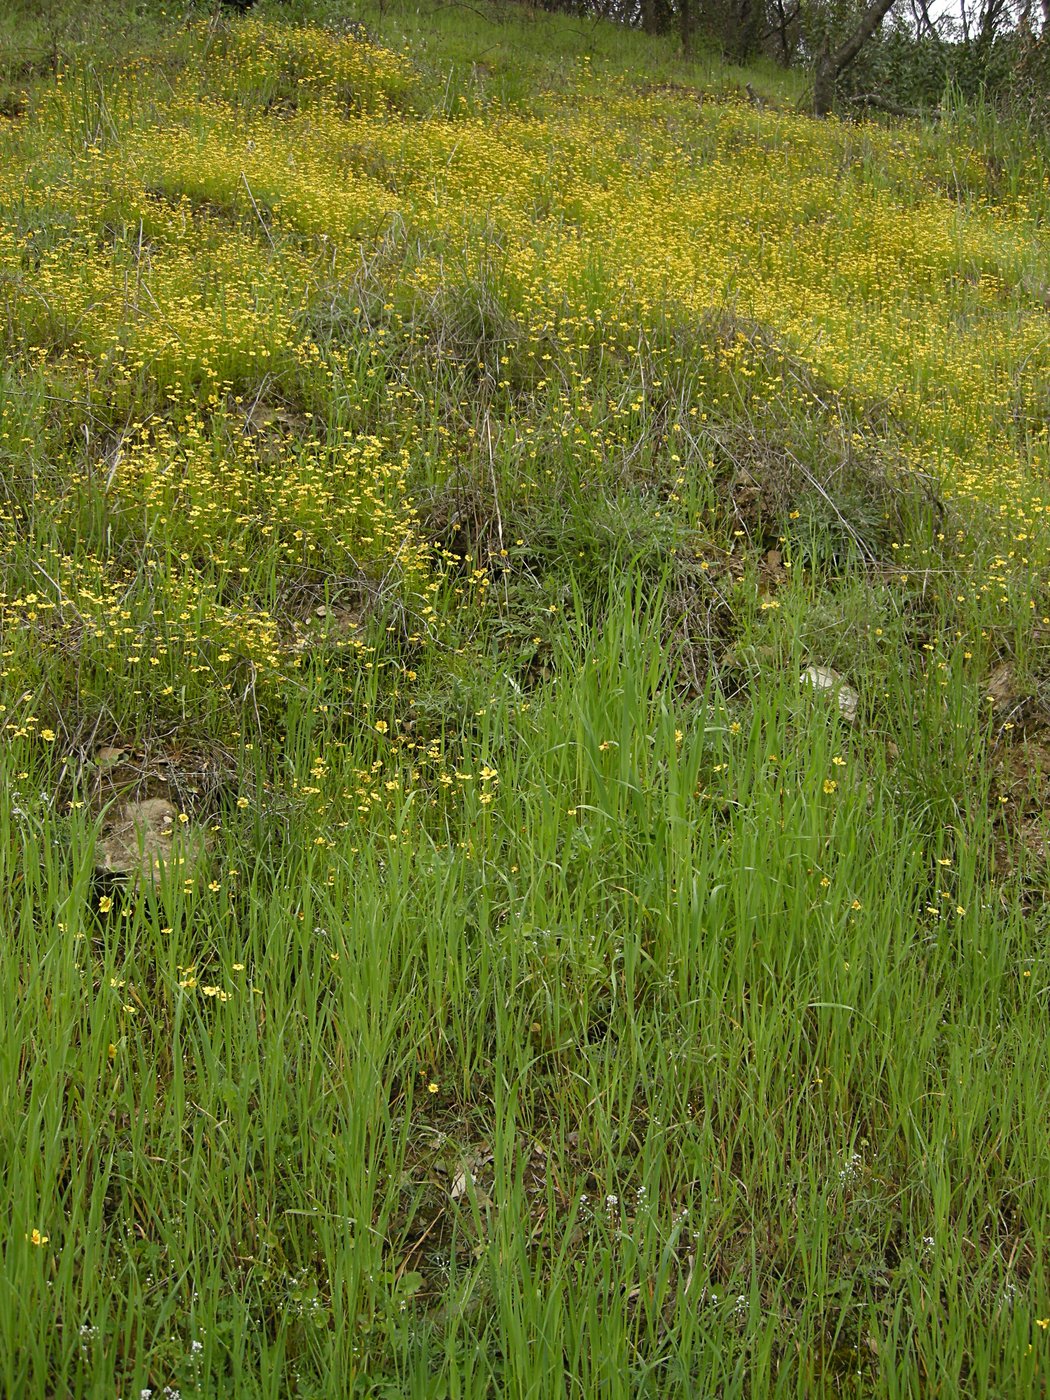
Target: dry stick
<point>850,529</point>
<point>257,400</point>
<point>62,599</point>
<point>414,1249</point>
<point>160,314</point>
<point>262,221</point>
<point>249,689</point>
<point>495,501</point>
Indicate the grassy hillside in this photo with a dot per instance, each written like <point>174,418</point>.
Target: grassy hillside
<point>565,554</point>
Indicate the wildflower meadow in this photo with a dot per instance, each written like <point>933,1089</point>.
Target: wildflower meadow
<point>524,719</point>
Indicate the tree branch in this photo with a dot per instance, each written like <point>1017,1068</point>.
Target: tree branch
<point>832,62</point>
<point>883,104</point>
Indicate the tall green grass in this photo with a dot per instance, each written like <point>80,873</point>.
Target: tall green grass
<point>671,1070</point>
<point>573,1001</point>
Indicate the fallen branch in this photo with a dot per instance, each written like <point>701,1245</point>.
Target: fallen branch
<point>883,104</point>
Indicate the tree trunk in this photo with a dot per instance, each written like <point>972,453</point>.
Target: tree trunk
<point>747,21</point>
<point>832,62</point>
<point>782,33</point>
<point>685,17</point>
<point>824,83</point>
<point>991,13</point>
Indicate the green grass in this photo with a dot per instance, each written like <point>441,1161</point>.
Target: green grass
<point>673,1073</point>
<point>572,1001</point>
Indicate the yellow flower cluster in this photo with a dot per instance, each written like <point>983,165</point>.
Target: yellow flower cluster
<point>187,245</point>
<point>224,285</point>
<point>280,67</point>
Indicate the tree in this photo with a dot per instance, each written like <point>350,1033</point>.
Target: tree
<point>746,21</point>
<point>786,27</point>
<point>833,62</point>
<point>657,16</point>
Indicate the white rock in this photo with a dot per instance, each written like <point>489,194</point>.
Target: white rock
<point>823,678</point>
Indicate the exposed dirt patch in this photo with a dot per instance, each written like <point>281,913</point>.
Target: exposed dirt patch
<point>272,427</point>
<point>317,609</point>
<point>197,781</point>
<point>147,842</point>
<point>12,105</point>
<point>670,89</point>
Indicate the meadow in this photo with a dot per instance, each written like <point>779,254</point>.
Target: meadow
<point>573,549</point>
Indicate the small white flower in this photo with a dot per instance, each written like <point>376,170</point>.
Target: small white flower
<point>851,1169</point>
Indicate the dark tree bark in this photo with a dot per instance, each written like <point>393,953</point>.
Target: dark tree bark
<point>657,16</point>
<point>685,19</point>
<point>832,62</point>
<point>747,25</point>
<point>924,25</point>
<point>991,14</point>
<point>964,17</point>
<point>787,48</point>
